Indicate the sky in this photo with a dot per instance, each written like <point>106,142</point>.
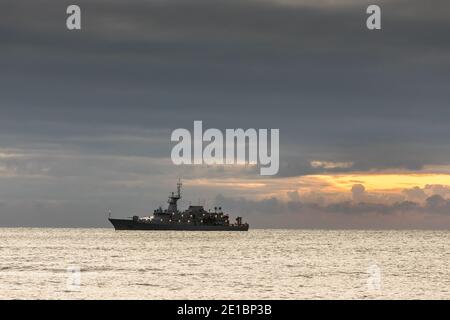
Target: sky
<point>86,116</point>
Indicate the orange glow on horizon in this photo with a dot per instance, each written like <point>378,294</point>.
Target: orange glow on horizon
<point>384,181</point>
<point>263,187</point>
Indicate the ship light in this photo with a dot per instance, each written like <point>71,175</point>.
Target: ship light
<point>179,220</point>
<point>189,221</point>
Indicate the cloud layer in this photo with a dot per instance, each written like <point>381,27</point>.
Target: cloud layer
<point>86,116</point>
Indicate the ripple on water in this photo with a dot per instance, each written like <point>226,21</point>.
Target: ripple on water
<point>260,264</point>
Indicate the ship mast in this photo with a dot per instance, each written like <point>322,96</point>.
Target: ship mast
<point>179,184</point>
<point>173,198</point>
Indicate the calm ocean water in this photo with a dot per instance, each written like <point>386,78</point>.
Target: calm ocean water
<point>259,264</point>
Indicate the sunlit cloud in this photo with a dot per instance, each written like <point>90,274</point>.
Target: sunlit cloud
<point>385,182</point>
<point>330,165</point>
<point>229,183</point>
<point>369,187</point>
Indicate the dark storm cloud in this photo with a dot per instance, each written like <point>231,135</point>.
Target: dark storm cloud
<point>280,207</point>
<point>139,69</point>
<point>332,87</point>
<point>303,214</point>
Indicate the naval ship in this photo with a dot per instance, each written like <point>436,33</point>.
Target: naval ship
<point>195,218</point>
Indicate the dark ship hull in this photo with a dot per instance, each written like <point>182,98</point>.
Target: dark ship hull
<point>195,218</point>
<point>128,224</point>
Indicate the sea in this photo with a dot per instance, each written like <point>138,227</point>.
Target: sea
<point>75,263</point>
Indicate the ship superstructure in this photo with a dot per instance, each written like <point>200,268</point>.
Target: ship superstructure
<point>195,218</point>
